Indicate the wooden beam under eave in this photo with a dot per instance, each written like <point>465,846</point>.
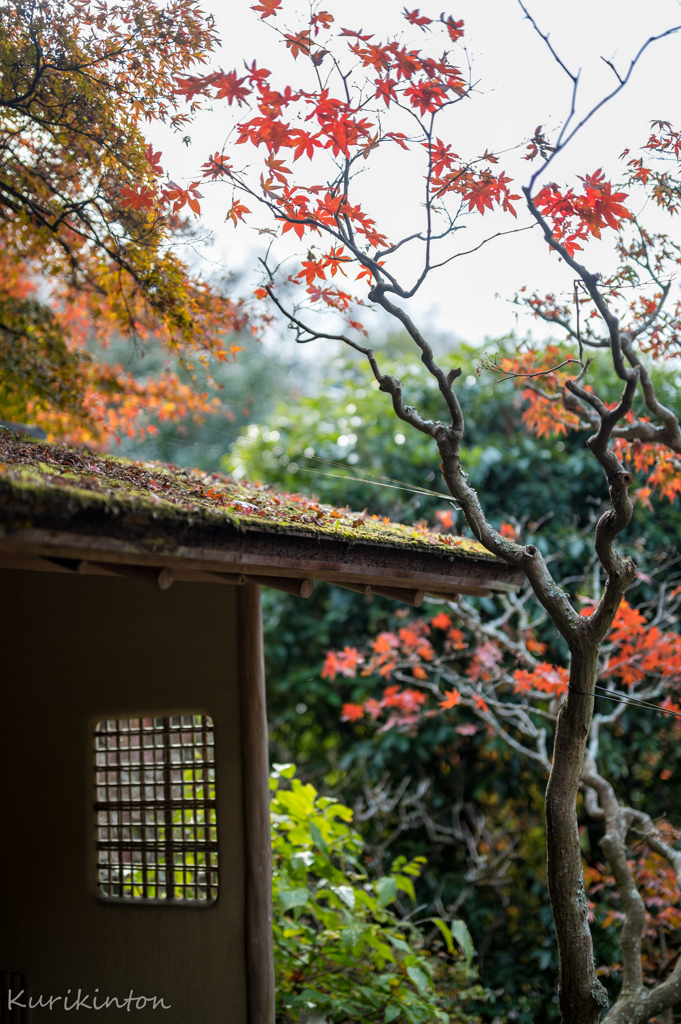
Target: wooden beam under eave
<point>406,594</point>
<point>299,587</point>
<point>398,589</point>
<point>256,807</point>
<point>155,576</point>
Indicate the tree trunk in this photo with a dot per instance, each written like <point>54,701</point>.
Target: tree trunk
<point>582,997</point>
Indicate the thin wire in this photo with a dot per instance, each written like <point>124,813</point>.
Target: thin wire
<point>318,458</point>
<point>632,701</point>
<point>379,483</point>
<point>373,479</point>
<point>393,482</point>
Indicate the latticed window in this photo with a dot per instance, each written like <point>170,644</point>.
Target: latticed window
<point>156,812</point>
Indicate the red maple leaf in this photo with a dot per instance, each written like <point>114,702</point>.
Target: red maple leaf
<point>416,18</point>
<point>454,28</point>
<point>352,712</point>
<point>237,211</point>
<point>267,8</point>
<point>231,88</point>
<point>180,197</point>
<point>153,159</point>
<point>138,198</point>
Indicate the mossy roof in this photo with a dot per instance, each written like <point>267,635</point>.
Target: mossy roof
<point>60,486</point>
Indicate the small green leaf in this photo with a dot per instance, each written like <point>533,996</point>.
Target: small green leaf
<point>318,839</point>
<point>463,937</point>
<point>391,1013</point>
<point>347,894</point>
<point>305,859</point>
<point>446,933</point>
<point>419,977</point>
<point>406,885</point>
<point>415,866</point>
<point>386,890</point>
<point>350,936</point>
<point>289,898</point>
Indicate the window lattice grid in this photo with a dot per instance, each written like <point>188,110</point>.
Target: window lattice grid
<point>156,810</point>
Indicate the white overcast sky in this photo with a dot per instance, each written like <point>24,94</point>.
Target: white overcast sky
<point>519,87</point>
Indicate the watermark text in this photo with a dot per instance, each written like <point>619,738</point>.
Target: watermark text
<point>21,1000</point>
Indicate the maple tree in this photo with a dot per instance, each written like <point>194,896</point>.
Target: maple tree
<point>348,100</point>
<point>86,221</point>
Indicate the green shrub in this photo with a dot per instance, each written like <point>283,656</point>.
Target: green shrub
<point>343,950</point>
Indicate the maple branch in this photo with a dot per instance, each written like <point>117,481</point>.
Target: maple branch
<point>545,37</point>
<point>398,245</point>
<point>590,281</point>
<point>487,364</point>
<point>467,252</point>
<point>444,380</point>
<point>613,69</point>
<point>669,433</point>
<point>539,755</point>
<point>650,320</point>
<point>387,383</point>
<point>529,558</point>
<point>643,430</point>
<point>597,722</point>
<point>366,261</point>
<point>635,1004</point>
<point>564,139</point>
<point>620,571</point>
<point>668,992</point>
<point>39,71</point>
<point>646,262</point>
<point>549,318</point>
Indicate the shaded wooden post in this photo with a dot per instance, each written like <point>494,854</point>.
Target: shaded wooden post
<point>256,795</point>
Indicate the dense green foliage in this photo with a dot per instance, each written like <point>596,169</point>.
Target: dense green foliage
<point>342,947</point>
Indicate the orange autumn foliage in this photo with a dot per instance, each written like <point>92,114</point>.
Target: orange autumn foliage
<point>87,223</point>
<point>636,652</point>
<point>657,883</point>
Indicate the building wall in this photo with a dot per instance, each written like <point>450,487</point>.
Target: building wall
<point>75,650</point>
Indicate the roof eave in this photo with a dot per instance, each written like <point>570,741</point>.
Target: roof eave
<point>277,555</point>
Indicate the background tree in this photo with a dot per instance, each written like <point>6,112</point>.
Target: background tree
<point>351,106</point>
<point>87,226</point>
<point>238,392</point>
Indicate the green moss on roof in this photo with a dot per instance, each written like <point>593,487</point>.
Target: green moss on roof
<point>35,475</point>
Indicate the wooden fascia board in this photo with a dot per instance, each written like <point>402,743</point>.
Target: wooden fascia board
<point>280,555</point>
